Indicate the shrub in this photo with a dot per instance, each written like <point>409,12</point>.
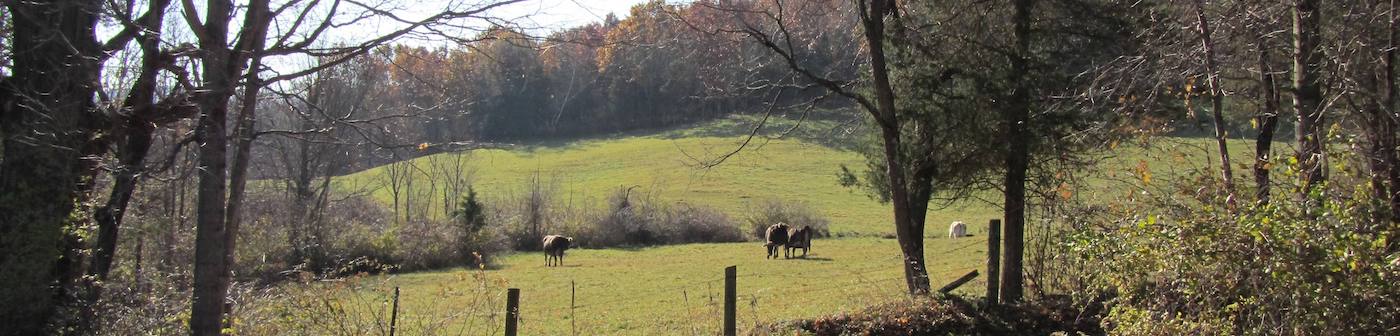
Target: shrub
<point>529,214</point>
<point>627,222</point>
<point>645,221</point>
<point>1183,263</point>
<point>426,244</point>
<point>358,265</point>
<point>356,235</point>
<point>687,223</point>
<point>944,315</point>
<point>475,241</point>
<point>795,214</point>
<point>159,309</point>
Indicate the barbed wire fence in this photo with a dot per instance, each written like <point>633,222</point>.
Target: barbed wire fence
<point>701,292</point>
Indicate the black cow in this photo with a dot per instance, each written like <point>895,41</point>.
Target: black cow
<point>775,237</point>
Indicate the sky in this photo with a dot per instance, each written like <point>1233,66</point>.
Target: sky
<point>559,14</point>
<point>536,16</point>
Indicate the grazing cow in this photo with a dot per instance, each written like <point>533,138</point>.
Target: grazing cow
<point>774,237</point>
<point>799,239</point>
<point>957,230</point>
<point>554,246</point>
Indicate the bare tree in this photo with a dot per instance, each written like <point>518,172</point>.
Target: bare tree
<point>1216,101</point>
<point>770,26</point>
<point>141,112</point>
<point>1267,118</point>
<point>455,174</point>
<point>231,64</point>
<point>1307,87</point>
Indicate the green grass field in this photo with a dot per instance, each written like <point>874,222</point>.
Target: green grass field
<point>663,290</point>
<point>664,165</point>
<point>675,289</point>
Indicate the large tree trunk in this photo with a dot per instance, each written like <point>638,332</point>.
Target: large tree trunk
<point>1016,115</point>
<point>211,278</point>
<point>211,268</point>
<point>1307,95</point>
<point>1267,121</point>
<point>909,230</point>
<point>217,232</point>
<point>45,104</point>
<point>1227,177</point>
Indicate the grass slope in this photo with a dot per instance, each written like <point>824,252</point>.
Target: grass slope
<point>665,166</point>
<point>676,289</point>
<point>799,168</point>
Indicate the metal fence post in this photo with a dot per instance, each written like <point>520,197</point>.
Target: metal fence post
<point>993,261</point>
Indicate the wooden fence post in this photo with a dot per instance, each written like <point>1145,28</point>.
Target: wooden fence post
<point>959,282</point>
<point>394,317</point>
<point>512,309</point>
<point>729,300</point>
<point>993,261</point>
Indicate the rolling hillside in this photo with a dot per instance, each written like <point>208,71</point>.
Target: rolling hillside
<point>799,168</point>
<point>671,289</point>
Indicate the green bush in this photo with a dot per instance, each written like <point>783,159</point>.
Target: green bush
<point>475,241</point>
<point>1316,264</point>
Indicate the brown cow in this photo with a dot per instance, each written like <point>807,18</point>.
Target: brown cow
<point>799,239</point>
<point>554,246</point>
<point>775,236</point>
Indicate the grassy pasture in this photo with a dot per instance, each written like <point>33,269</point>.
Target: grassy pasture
<point>669,289</point>
<point>665,167</point>
<point>796,168</point>
<point>664,290</point>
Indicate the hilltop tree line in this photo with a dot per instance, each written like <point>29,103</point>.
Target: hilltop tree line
<point>660,66</point>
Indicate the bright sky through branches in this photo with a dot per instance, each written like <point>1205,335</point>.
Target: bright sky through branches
<point>560,14</point>
<point>535,17</point>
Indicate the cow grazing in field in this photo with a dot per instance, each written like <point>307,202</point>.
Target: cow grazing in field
<point>776,236</point>
<point>957,230</point>
<point>554,246</point>
<point>799,239</point>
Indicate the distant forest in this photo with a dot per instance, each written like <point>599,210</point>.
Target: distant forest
<point>663,65</point>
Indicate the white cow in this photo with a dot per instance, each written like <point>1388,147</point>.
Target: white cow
<point>957,230</point>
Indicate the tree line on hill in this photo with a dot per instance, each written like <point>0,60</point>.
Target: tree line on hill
<point>663,65</point>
